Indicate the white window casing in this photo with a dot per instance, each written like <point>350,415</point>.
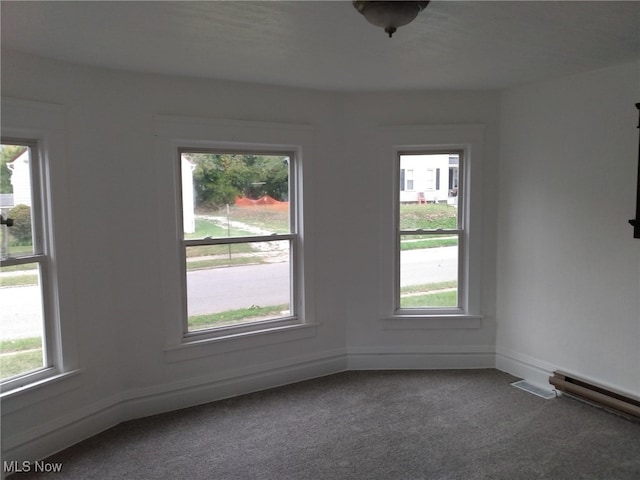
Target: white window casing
<point>469,141</point>
<point>174,134</point>
<point>42,128</point>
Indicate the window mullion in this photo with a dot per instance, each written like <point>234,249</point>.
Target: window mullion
<point>430,232</point>
<point>230,240</point>
<point>13,261</point>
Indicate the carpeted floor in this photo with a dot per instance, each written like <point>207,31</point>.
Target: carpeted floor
<point>436,425</point>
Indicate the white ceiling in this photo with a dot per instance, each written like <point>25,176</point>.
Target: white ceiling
<point>328,45</point>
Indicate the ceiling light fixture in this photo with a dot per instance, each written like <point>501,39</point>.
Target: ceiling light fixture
<point>389,15</point>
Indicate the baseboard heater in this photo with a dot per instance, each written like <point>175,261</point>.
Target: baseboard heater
<point>597,394</point>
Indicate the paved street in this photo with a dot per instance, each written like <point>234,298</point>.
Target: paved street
<point>21,314</point>
<point>217,290</point>
<point>220,289</point>
<point>429,265</point>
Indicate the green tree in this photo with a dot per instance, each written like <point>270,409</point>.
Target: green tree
<point>211,184</point>
<point>21,228</point>
<point>276,177</point>
<point>220,178</point>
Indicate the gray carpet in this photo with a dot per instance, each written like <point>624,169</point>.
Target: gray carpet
<point>440,425</point>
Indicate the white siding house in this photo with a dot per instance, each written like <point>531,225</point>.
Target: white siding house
<point>428,178</point>
<point>21,179</point>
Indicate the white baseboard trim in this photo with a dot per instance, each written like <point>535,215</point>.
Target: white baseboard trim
<point>537,372</point>
<point>534,371</point>
<point>145,402</point>
<point>56,435</point>
<point>62,432</point>
<point>421,358</point>
<point>48,438</point>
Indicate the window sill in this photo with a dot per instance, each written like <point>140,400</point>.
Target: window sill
<point>432,322</point>
<point>193,349</point>
<point>41,390</point>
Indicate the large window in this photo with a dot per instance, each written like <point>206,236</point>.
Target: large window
<point>240,239</point>
<point>430,234</point>
<point>26,345</point>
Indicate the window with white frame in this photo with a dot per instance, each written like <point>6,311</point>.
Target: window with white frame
<point>430,183</point>
<point>26,343</point>
<point>240,238</point>
<point>409,177</point>
<point>430,236</point>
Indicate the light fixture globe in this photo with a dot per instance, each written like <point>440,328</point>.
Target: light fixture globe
<point>389,14</point>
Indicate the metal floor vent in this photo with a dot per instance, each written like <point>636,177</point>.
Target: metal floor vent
<point>540,392</point>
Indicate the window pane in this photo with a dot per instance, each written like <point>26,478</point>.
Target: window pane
<point>21,321</point>
<point>430,203</point>
<point>227,195</point>
<point>254,285</point>
<point>428,271</point>
<point>16,201</point>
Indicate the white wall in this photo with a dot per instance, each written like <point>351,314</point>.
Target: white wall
<point>115,226</point>
<point>115,236</point>
<point>370,341</point>
<point>568,267</point>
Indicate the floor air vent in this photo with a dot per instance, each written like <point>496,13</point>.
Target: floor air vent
<point>540,392</point>
<point>596,394</point>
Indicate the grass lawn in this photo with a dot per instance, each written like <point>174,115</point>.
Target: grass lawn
<point>19,250</point>
<point>428,287</point>
<point>441,299</point>
<point>30,270</point>
<point>19,268</point>
<point>222,262</point>
<point>274,219</point>
<point>207,250</point>
<point>209,228</point>
<point>19,281</point>
<point>19,356</point>
<point>231,317</point>
<point>431,242</point>
<point>429,216</point>
<point>439,294</point>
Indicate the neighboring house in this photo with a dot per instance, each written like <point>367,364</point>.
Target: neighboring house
<point>429,178</point>
<point>21,179</point>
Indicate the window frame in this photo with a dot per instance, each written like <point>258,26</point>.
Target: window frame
<point>173,131</point>
<point>46,124</point>
<point>460,232</point>
<point>42,256</point>
<point>384,147</point>
<point>292,237</point>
